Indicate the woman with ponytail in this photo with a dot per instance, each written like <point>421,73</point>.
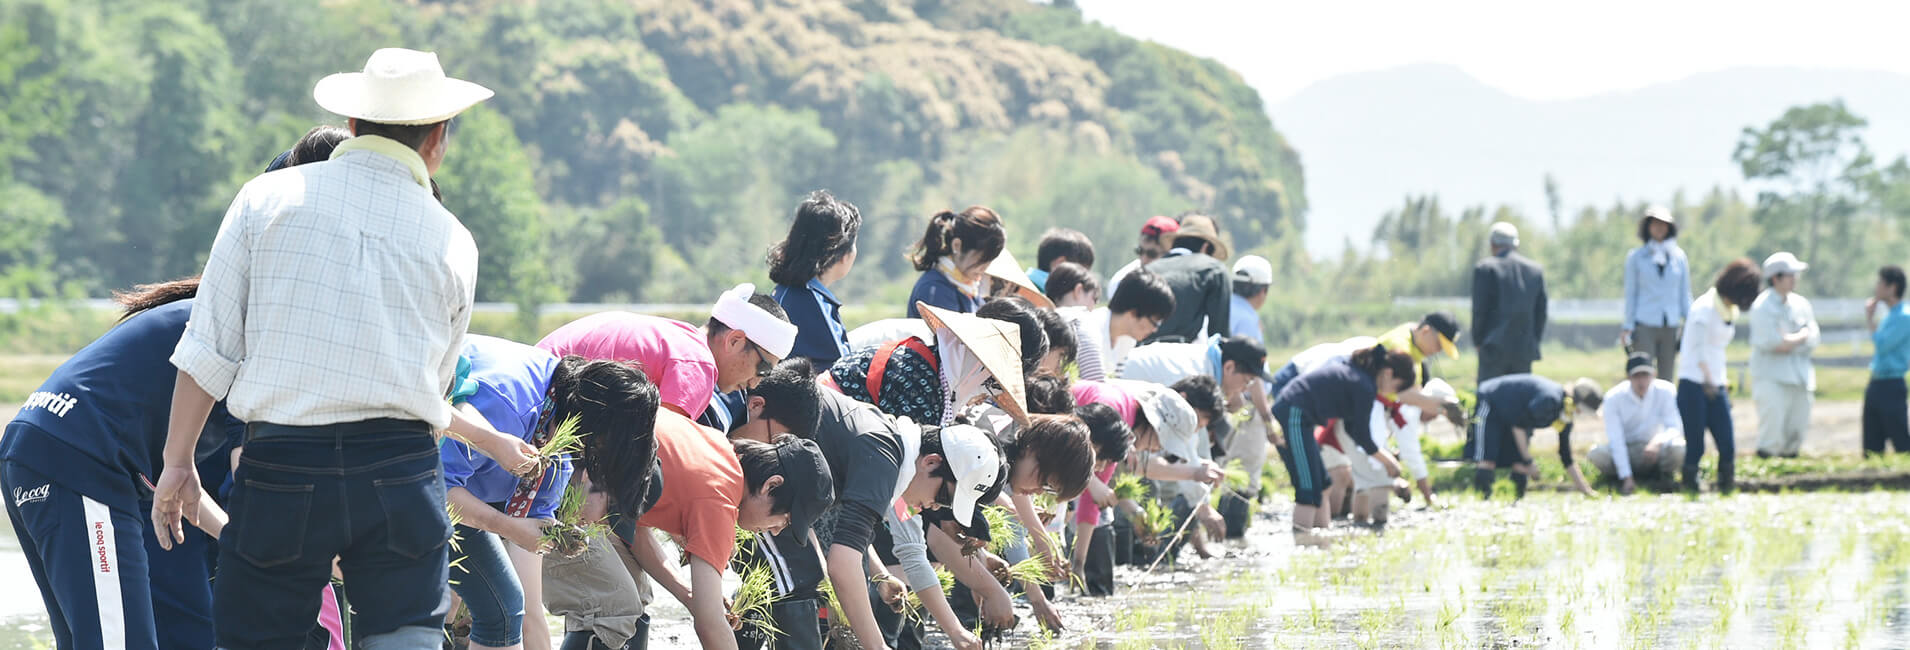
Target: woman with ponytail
<point>529,393</point>
<point>1342,391</point>
<point>952,255</point>
<point>819,251</point>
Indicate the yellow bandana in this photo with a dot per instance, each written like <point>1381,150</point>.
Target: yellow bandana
<point>388,148</point>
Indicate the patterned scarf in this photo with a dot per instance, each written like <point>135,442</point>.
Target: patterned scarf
<point>527,487</point>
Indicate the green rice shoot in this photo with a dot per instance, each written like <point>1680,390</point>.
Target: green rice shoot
<point>753,600</point>
<point>1034,570</point>
<point>1129,487</point>
<point>1003,529</point>
<point>565,440</point>
<point>570,535</point>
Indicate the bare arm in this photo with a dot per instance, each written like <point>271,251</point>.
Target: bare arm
<point>707,606</point>
<point>649,555</point>
<point>177,493</point>
<point>846,568</point>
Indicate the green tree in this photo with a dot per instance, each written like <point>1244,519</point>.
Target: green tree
<point>1812,161</point>
<point>487,183</point>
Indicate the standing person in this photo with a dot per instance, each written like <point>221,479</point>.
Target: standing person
<point>1509,411</point>
<point>1657,292</point>
<point>818,252</point>
<point>1104,336</point>
<point>1060,246</point>
<point>1784,333</point>
<point>1072,285</point>
<point>1156,236</point>
<point>1644,436</point>
<point>1885,416</point>
<point>1508,307</point>
<point>526,392</point>
<point>1253,281</point>
<point>746,335</point>
<point>340,444</point>
<point>953,256</point>
<point>1341,390</point>
<point>1203,288</point>
<point>1704,395</point>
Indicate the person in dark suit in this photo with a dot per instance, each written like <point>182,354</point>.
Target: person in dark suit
<point>1203,287</point>
<point>1508,307</point>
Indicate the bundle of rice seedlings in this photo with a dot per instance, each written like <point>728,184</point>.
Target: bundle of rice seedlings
<point>570,536</point>
<point>1235,476</point>
<point>912,602</point>
<point>1034,570</point>
<point>1129,487</point>
<point>745,541</point>
<point>1003,528</point>
<point>565,440</point>
<point>1155,520</point>
<point>751,604</point>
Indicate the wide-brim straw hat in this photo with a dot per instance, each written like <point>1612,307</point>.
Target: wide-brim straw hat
<point>996,343</point>
<point>398,86</point>
<point>1006,268</point>
<point>1202,226</point>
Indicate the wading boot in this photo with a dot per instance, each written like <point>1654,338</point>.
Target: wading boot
<point>1727,481</point>
<point>1689,482</point>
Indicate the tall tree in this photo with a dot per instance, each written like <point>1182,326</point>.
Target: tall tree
<point>1812,160</point>
<point>487,183</point>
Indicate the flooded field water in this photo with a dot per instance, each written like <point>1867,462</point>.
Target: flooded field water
<point>1821,570</point>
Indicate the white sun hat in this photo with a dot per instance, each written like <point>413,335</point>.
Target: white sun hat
<point>398,86</point>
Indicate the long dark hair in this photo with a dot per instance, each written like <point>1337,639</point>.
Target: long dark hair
<point>979,229</point>
<point>616,409</point>
<point>1374,359</point>
<point>148,296</point>
<point>823,233</point>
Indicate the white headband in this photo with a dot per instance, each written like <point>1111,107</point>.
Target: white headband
<point>774,334</point>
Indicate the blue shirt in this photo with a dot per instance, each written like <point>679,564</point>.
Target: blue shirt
<point>1892,338</point>
<point>1656,297</point>
<point>1040,278</point>
<point>937,290</point>
<point>511,379</point>
<point>1244,320</point>
<point>817,314</point>
<point>99,422</point>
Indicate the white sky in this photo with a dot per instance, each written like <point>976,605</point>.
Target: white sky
<point>1535,49</point>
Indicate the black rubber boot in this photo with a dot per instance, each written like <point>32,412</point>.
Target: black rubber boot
<point>1518,486</point>
<point>1689,483</point>
<point>1482,481</point>
<point>1727,476</point>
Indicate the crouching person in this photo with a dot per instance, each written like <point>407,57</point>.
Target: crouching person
<point>1644,435</point>
<point>1510,409</point>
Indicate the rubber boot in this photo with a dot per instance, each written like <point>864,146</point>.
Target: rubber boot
<point>1689,482</point>
<point>1727,479</point>
<point>1518,486</point>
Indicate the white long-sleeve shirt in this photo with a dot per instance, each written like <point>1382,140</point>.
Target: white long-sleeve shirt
<point>1633,419</point>
<point>1407,436</point>
<point>1709,327</point>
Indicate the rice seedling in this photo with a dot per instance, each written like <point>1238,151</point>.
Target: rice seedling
<point>912,601</point>
<point>750,607</point>
<point>570,535</point>
<point>1129,487</point>
<point>1003,528</point>
<point>1034,570</point>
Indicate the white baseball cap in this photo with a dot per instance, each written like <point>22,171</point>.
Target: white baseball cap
<point>1783,263</point>
<point>976,462</point>
<point>1253,268</point>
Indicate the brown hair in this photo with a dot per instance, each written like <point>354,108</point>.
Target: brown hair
<point>148,296</point>
<point>979,229</point>
<point>1738,282</point>
<point>1060,447</point>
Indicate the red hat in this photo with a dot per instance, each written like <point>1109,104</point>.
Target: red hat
<point>1158,226</point>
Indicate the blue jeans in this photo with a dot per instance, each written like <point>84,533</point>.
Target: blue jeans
<point>484,578</point>
<point>1699,413</point>
<point>369,493</point>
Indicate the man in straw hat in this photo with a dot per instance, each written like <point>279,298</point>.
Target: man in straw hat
<point>1508,307</point>
<point>1203,287</point>
<point>330,317</point>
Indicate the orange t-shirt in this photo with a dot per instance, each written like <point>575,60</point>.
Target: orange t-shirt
<point>702,488</point>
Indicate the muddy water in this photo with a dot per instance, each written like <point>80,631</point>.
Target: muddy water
<point>1804,571</point>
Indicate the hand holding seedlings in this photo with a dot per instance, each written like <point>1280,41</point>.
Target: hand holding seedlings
<point>527,533</point>
<point>891,591</point>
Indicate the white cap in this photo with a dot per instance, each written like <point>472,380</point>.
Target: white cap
<point>1505,234</point>
<point>1783,263</point>
<point>1174,420</point>
<point>1439,389</point>
<point>976,462</point>
<point>774,334</point>
<point>1253,268</point>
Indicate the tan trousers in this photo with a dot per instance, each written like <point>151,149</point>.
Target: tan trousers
<point>598,592</point>
<point>1783,416</point>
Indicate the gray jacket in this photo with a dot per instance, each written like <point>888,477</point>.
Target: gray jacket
<point>1508,307</point>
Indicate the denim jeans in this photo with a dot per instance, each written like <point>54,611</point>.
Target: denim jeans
<point>369,493</point>
<point>484,578</point>
<point>1699,413</point>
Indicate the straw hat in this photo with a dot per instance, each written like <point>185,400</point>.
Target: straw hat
<point>1006,268</point>
<point>1203,227</point>
<point>996,343</point>
<point>398,86</point>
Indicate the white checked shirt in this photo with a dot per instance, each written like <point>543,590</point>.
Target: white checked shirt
<point>335,292</point>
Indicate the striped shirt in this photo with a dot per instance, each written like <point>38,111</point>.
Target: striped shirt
<point>335,292</point>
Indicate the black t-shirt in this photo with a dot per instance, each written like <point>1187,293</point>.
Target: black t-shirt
<point>865,455</point>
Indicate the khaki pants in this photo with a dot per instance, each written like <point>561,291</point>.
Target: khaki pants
<point>1671,456</point>
<point>598,592</point>
<point>1783,416</point>
<point>1662,343</point>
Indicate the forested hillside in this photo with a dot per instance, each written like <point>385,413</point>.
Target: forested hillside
<point>636,150</point>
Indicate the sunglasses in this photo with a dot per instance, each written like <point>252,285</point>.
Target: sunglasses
<point>763,366</point>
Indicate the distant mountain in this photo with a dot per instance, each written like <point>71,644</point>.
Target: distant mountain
<point>1369,139</point>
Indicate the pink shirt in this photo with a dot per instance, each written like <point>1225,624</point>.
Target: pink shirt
<point>674,354</point>
<point>1087,391</point>
<point>1085,512</point>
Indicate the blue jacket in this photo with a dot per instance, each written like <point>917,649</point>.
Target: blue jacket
<point>99,423</point>
<point>1892,338</point>
<point>1656,297</point>
<point>817,314</point>
<point>1336,390</point>
<point>938,291</point>
<point>512,379</point>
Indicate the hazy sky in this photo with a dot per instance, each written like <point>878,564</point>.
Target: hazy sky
<point>1537,50</point>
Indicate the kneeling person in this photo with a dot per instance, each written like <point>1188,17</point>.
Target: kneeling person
<point>1644,435</point>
